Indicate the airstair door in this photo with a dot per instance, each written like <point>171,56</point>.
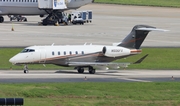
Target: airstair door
<point>42,56</point>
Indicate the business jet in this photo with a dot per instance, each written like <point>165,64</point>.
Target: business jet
<point>38,7</point>
<point>86,56</point>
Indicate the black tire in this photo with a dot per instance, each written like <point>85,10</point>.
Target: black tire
<point>92,71</point>
<point>25,20</point>
<point>1,19</point>
<point>44,23</point>
<point>81,70</point>
<point>25,71</point>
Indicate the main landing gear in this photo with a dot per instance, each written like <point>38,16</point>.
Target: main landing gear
<point>1,19</point>
<point>90,69</point>
<point>26,69</point>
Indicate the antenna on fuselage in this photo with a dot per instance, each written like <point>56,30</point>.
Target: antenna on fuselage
<point>52,44</point>
<point>85,43</point>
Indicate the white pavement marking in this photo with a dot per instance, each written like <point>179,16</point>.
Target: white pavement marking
<point>128,79</point>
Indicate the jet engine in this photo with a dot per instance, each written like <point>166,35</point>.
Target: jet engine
<point>115,51</point>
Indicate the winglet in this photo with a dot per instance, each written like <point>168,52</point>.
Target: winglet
<point>141,59</point>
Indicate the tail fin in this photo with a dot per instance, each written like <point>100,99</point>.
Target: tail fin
<point>137,36</point>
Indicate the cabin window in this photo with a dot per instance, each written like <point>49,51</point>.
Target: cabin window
<point>82,52</point>
<point>64,53</point>
<point>27,50</point>
<point>76,52</point>
<point>59,53</point>
<point>31,50</point>
<point>52,53</point>
<point>70,53</point>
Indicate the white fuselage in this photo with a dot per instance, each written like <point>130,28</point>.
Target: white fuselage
<point>62,55</point>
<point>30,7</point>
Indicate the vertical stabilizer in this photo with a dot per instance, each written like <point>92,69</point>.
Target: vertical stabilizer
<point>136,36</point>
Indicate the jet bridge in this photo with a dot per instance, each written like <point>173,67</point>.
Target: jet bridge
<point>52,4</point>
<point>55,10</point>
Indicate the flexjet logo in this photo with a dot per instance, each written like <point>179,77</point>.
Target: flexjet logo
<point>58,2</point>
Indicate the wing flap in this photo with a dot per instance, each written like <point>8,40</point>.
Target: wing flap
<point>100,65</point>
<point>106,65</point>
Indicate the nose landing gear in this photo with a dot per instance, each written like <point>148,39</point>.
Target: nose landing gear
<point>26,69</point>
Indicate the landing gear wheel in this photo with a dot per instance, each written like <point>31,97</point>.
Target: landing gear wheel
<point>92,71</point>
<point>26,71</point>
<point>25,19</point>
<point>1,19</point>
<point>81,70</point>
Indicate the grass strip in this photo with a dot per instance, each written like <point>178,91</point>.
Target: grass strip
<point>159,3</point>
<point>95,93</point>
<point>159,58</point>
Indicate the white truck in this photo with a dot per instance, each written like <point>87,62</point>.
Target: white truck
<point>81,17</point>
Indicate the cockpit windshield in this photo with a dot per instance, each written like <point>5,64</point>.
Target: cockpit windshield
<point>27,50</point>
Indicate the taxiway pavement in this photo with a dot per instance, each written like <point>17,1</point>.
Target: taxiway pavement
<point>34,76</point>
<point>111,23</point>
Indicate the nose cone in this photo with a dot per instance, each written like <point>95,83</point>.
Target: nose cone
<point>12,60</point>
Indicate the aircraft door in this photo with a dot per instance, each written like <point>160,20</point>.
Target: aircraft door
<point>42,56</point>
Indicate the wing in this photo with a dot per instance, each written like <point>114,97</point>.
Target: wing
<point>100,65</point>
<point>106,65</point>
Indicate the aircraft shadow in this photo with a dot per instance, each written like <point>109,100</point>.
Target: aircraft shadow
<point>108,73</point>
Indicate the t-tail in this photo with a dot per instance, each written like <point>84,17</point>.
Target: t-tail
<point>137,36</point>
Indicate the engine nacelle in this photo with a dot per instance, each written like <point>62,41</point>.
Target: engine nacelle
<point>115,51</point>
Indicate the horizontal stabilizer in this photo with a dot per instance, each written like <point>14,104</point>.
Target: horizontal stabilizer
<point>141,59</point>
<point>151,29</point>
